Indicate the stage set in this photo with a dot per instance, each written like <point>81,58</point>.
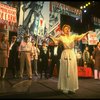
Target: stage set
<point>83,72</point>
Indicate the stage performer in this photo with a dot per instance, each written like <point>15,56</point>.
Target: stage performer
<point>68,75</point>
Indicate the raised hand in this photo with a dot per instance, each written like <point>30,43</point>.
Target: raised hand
<point>90,31</point>
<point>86,33</point>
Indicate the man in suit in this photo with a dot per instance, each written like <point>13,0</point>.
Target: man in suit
<point>44,56</point>
<point>55,58</point>
<point>13,56</point>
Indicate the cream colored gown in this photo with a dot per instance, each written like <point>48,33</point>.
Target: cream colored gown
<point>68,74</point>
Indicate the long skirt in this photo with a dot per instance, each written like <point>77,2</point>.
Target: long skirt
<point>3,59</point>
<point>68,74</point>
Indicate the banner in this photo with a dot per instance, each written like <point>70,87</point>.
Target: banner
<point>54,20</point>
<point>97,31</point>
<point>41,27</point>
<point>36,24</point>
<point>34,17</point>
<point>57,30</point>
<point>8,17</point>
<point>92,38</point>
<point>7,13</point>
<point>58,7</point>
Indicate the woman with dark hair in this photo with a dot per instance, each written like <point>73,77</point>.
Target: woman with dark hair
<point>4,54</point>
<point>68,75</point>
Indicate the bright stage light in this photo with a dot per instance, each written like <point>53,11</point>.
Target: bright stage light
<point>81,7</point>
<point>85,11</point>
<point>84,6</point>
<point>89,3</point>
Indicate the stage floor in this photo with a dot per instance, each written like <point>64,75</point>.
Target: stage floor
<point>46,88</point>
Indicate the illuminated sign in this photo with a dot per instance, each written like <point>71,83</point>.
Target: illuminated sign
<point>92,38</point>
<point>8,17</point>
<point>7,13</point>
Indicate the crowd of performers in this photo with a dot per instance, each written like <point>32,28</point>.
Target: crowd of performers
<point>26,58</point>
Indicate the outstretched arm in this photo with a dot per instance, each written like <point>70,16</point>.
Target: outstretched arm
<point>80,37</point>
<point>55,39</point>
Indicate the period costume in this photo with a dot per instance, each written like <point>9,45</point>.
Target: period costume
<point>96,55</point>
<point>25,50</point>
<point>4,54</point>
<point>68,74</point>
<point>56,51</point>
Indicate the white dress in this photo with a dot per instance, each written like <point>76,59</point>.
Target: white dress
<point>68,74</point>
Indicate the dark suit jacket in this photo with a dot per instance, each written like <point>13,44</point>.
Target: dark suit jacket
<point>14,50</point>
<point>44,56</point>
<point>59,51</point>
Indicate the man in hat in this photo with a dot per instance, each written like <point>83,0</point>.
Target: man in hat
<point>13,56</point>
<point>25,50</point>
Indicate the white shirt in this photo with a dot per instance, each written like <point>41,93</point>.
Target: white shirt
<point>12,43</point>
<point>55,50</point>
<point>35,52</point>
<point>25,46</point>
<point>78,55</point>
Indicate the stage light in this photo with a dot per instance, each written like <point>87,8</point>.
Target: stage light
<point>81,7</point>
<point>85,11</point>
<point>89,3</point>
<point>84,6</point>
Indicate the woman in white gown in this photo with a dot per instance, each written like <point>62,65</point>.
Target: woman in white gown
<point>68,75</point>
